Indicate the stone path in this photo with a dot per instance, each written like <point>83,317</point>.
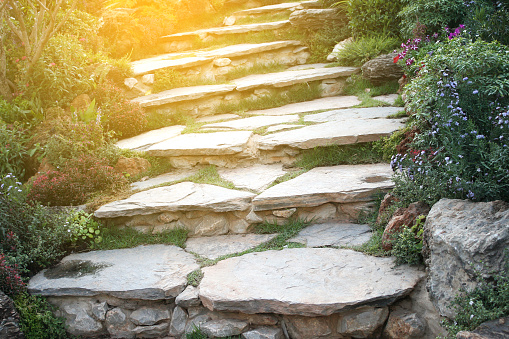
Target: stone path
<point>320,290</point>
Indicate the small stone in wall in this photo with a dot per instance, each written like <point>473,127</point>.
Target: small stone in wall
<point>224,328</point>
<point>9,317</point>
<point>188,298</point>
<point>118,324</point>
<point>99,311</point>
<point>287,213</point>
<point>132,166</point>
<point>153,331</point>
<point>148,79</point>
<point>404,325</point>
<point>130,82</point>
<point>221,62</point>
<point>264,333</point>
<point>494,329</point>
<point>178,321</point>
<point>147,316</point>
<point>308,327</point>
<point>363,322</point>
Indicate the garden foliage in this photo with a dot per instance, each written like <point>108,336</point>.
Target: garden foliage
<point>373,17</point>
<point>459,95</point>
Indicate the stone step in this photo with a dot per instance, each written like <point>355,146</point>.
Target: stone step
<point>211,63</point>
<point>141,292</point>
<point>185,41</point>
<point>285,7</point>
<point>202,100</point>
<point>324,193</point>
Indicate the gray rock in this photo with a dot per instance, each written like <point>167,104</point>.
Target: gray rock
<point>316,18</point>
<point>303,281</point>
<point>338,47</point>
<point>178,321</point>
<point>188,298</point>
<point>224,327</point>
<point>328,103</point>
<point>219,143</point>
<point>152,272</point>
<point>215,247</point>
<point>495,329</point>
<point>78,320</point>
<point>404,325</point>
<point>363,322</point>
<point>148,79</point>
<point>257,177</point>
<point>308,327</point>
<point>186,196</point>
<point>357,114</point>
<point>146,316</point>
<point>452,257</point>
<point>333,234</point>
<point>381,69</point>
<point>346,183</point>
<point>118,324</point>
<point>264,333</point>
<point>218,117</point>
<point>288,78</point>
<point>9,319</point>
<point>154,331</point>
<point>175,175</point>
<point>388,98</point>
<point>99,310</point>
<point>130,82</point>
<point>196,322</point>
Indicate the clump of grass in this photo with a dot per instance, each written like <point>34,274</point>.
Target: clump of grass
<point>363,49</point>
<point>115,238</point>
<point>365,90</point>
<point>339,155</point>
<point>209,175</point>
<point>256,68</point>
<point>167,79</point>
<point>297,93</point>
<point>194,278</point>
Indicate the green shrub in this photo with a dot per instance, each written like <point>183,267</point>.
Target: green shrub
<point>488,20</point>
<point>37,319</point>
<point>433,14</point>
<point>489,300</point>
<point>31,237</point>
<point>365,48</point>
<point>322,41</point>
<point>407,245</point>
<point>374,17</point>
<point>118,114</point>
<point>14,150</point>
<point>10,279</point>
<point>461,105</point>
<point>386,146</point>
<point>83,229</point>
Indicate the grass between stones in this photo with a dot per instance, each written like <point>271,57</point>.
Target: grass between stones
<point>261,18</point>
<point>365,91</point>
<point>115,238</point>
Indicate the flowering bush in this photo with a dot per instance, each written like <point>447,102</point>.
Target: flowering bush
<point>118,114</point>
<point>460,99</point>
<point>10,280</point>
<point>14,150</point>
<point>75,182</point>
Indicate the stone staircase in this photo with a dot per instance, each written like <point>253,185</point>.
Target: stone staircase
<point>320,290</point>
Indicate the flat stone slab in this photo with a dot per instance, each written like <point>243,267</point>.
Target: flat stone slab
<point>332,133</point>
<point>279,128</point>
<point>219,143</point>
<point>257,177</point>
<point>218,246</point>
<point>154,272</point>
<point>328,103</point>
<point>187,60</point>
<point>286,6</point>
<point>342,184</point>
<point>238,29</point>
<point>288,78</point>
<point>185,196</point>
<point>163,179</point>
<point>388,98</point>
<point>304,281</point>
<point>254,122</point>
<point>353,114</point>
<point>182,94</point>
<point>143,141</point>
<point>333,234</point>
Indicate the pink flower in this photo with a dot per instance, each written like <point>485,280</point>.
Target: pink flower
<point>23,58</point>
<point>17,60</point>
<point>52,64</point>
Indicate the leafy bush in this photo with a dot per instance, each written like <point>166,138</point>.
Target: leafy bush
<point>407,245</point>
<point>363,49</point>
<point>433,14</point>
<point>489,300</point>
<point>10,279</point>
<point>461,103</point>
<point>14,150</point>
<point>488,20</point>
<point>322,41</point>
<point>83,229</point>
<point>374,17</point>
<point>119,115</point>
<point>37,319</point>
<point>31,237</point>
<point>75,182</point>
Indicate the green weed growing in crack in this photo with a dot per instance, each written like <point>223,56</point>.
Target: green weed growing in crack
<point>194,278</point>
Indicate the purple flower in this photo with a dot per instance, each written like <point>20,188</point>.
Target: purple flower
<point>475,91</point>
